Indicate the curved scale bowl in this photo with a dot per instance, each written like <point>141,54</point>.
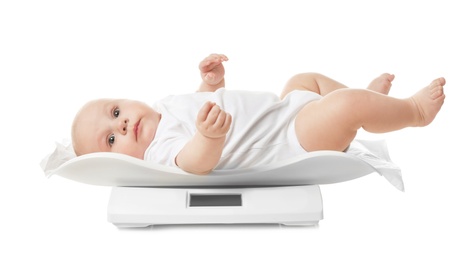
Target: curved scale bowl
<point>112,169</point>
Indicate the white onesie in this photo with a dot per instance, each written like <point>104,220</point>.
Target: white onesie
<point>262,129</point>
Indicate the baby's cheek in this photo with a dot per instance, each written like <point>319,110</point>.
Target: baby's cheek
<point>128,148</point>
<point>138,152</point>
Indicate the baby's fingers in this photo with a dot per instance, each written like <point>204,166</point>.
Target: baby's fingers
<point>220,57</point>
<point>216,58</point>
<point>211,61</point>
<point>223,120</point>
<point>213,115</point>
<point>227,122</point>
<point>204,111</point>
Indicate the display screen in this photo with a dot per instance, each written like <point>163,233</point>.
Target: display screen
<point>215,200</point>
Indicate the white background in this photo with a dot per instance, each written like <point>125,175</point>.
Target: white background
<point>55,55</point>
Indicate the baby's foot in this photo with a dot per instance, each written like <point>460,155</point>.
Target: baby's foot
<point>382,84</point>
<point>428,101</point>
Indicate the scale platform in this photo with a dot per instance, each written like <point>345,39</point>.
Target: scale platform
<point>146,206</point>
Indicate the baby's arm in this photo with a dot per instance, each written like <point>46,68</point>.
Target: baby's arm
<point>203,152</point>
<point>212,73</point>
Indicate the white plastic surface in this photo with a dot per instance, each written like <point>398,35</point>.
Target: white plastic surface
<point>321,167</point>
<point>141,207</point>
<point>111,169</point>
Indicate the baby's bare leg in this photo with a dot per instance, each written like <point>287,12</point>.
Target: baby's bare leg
<point>323,85</point>
<point>314,82</point>
<point>332,122</point>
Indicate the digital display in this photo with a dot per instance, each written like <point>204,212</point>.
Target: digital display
<point>215,200</point>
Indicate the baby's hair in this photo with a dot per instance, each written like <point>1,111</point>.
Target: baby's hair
<point>76,127</point>
<point>74,130</point>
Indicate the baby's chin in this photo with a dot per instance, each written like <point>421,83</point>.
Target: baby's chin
<point>143,148</point>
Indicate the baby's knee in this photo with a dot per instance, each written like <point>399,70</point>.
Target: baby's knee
<point>305,77</point>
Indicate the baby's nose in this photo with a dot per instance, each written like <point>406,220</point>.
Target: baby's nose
<point>123,126</point>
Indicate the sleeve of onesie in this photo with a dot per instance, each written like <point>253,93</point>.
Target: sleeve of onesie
<point>165,152</point>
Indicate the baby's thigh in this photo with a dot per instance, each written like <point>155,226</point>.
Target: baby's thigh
<point>294,83</point>
<point>320,127</point>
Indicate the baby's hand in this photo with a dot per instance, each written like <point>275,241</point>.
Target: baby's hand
<point>212,121</point>
<point>212,69</point>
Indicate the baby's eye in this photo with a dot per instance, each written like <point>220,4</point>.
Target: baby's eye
<point>116,112</point>
<point>111,140</point>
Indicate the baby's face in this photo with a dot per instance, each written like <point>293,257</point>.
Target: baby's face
<point>115,125</point>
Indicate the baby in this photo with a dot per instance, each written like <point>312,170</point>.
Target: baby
<point>216,128</point>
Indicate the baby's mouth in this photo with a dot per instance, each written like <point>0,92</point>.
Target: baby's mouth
<point>136,129</point>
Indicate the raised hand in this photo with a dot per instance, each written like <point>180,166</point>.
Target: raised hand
<point>212,72</point>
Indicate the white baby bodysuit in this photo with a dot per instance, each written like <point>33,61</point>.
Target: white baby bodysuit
<point>262,129</point>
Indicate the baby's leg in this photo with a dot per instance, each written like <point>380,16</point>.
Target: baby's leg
<point>323,85</point>
<point>314,82</point>
<point>331,123</point>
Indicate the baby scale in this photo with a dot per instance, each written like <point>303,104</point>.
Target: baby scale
<point>285,192</point>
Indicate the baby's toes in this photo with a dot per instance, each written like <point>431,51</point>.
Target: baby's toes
<point>437,92</point>
<point>437,88</point>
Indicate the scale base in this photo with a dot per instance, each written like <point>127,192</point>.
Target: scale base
<point>143,207</point>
